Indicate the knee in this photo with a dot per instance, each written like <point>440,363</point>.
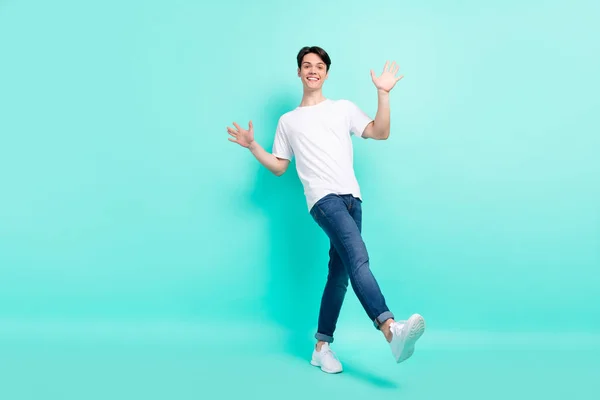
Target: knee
<point>360,263</point>
<point>343,282</point>
<point>339,279</point>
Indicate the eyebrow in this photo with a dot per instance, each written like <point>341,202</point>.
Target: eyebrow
<point>306,62</point>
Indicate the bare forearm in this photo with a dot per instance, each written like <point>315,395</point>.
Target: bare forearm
<point>268,160</point>
<point>382,118</point>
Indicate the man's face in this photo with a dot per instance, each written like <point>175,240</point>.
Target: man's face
<point>312,71</point>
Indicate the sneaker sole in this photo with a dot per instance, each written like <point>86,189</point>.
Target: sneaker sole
<point>416,324</point>
<point>329,371</point>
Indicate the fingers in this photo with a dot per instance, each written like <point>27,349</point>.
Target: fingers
<point>238,130</point>
<point>230,129</point>
<point>392,68</point>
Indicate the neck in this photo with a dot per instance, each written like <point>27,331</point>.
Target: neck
<point>312,98</point>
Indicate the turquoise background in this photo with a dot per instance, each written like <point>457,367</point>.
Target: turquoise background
<point>129,223</point>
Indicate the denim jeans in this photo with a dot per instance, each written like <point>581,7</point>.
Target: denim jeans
<point>340,217</point>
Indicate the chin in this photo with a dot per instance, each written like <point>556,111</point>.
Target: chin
<point>312,88</point>
<point>313,85</point>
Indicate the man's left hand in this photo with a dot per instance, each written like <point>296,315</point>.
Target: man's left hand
<point>387,80</point>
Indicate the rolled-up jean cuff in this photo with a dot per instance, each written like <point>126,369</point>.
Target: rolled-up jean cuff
<point>382,318</point>
<point>323,338</point>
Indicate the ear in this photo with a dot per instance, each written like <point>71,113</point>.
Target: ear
<point>298,72</point>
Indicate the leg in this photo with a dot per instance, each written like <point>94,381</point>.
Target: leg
<point>384,322</point>
<point>341,219</point>
<point>333,297</point>
<point>334,214</point>
<point>401,335</point>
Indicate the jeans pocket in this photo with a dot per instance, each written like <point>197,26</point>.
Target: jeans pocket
<point>318,214</point>
<point>326,205</point>
<point>313,212</point>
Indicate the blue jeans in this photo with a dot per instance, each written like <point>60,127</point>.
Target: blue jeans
<point>340,217</point>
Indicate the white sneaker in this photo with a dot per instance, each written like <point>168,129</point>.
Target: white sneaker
<point>326,359</point>
<point>404,336</point>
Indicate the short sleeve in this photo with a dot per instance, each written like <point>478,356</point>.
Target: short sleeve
<point>281,144</point>
<point>358,119</point>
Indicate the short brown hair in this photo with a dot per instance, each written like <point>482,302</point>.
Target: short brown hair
<point>316,50</point>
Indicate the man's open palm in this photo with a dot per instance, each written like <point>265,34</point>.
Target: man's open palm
<point>387,79</point>
<point>241,136</point>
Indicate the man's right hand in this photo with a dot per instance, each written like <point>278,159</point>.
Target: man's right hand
<point>241,136</point>
<point>245,138</point>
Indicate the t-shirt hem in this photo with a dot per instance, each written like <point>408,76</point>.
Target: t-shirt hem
<point>311,202</point>
<point>362,130</point>
<point>284,156</point>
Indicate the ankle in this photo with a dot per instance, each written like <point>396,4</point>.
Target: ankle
<point>385,329</point>
<point>319,344</point>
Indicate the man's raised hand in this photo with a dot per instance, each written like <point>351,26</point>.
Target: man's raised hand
<point>387,80</point>
<point>241,136</point>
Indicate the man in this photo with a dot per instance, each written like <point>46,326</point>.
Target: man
<point>318,133</point>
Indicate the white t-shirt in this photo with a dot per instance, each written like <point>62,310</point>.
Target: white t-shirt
<point>319,137</point>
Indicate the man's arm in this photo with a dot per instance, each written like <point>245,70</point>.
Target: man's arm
<point>379,129</point>
<point>276,165</point>
<point>245,138</point>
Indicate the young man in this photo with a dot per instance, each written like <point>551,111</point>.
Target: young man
<point>318,133</point>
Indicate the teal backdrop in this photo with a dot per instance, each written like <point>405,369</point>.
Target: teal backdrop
<point>122,199</point>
